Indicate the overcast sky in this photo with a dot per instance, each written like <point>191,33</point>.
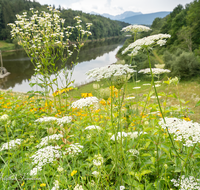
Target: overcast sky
<point>115,7</point>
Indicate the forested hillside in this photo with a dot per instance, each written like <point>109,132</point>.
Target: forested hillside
<point>181,54</point>
<point>102,27</point>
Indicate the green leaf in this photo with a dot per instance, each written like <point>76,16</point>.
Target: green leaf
<point>144,172</point>
<point>197,104</point>
<point>174,95</point>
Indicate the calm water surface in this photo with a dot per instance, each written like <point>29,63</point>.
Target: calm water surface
<point>93,55</point>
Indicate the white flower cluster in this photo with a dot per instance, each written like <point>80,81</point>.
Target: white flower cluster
<point>4,117</point>
<point>46,119</point>
<point>11,144</point>
<point>110,71</point>
<point>124,134</point>
<point>121,188</point>
<point>78,187</point>
<point>43,30</point>
<point>56,185</point>
<point>135,28</point>
<point>95,173</point>
<point>186,183</point>
<point>98,160</point>
<point>93,127</point>
<point>60,121</point>
<point>64,120</point>
<point>45,140</point>
<point>44,156</point>
<point>134,152</point>
<point>60,169</point>
<point>85,102</point>
<point>130,98</point>
<point>146,42</point>
<point>74,149</point>
<point>186,131</point>
<point>155,71</point>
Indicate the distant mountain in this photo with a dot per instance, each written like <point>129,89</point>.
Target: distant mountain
<point>120,16</point>
<point>146,19</point>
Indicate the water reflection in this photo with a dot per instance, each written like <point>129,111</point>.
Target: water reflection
<point>92,55</point>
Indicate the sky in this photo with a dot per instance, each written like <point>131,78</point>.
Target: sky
<point>115,7</point>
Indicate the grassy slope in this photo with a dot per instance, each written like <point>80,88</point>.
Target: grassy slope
<point>6,46</point>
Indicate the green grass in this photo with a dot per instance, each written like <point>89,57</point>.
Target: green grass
<point>6,46</point>
<point>189,93</point>
<point>140,170</point>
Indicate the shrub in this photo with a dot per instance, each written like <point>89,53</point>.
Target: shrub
<point>182,64</point>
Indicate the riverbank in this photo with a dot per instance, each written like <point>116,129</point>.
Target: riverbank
<point>4,46</point>
<point>10,47</point>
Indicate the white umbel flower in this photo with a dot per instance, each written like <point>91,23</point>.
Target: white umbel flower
<point>45,140</point>
<point>146,42</point>
<point>98,160</point>
<point>11,144</point>
<point>186,183</point>
<point>135,28</point>
<point>85,102</point>
<point>46,119</point>
<point>186,131</point>
<point>93,127</point>
<point>155,71</point>
<point>110,71</point>
<point>74,149</point>
<point>78,187</point>
<point>118,137</point>
<point>45,155</point>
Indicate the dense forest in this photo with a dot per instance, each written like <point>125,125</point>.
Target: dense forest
<point>102,27</point>
<point>181,54</point>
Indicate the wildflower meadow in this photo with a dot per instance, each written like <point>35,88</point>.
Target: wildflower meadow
<point>111,141</point>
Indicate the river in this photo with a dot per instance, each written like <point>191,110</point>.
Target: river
<point>93,55</point>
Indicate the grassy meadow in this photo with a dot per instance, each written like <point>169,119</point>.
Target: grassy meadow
<point>87,155</point>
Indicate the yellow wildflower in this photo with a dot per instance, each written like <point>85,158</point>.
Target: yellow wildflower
<point>85,95</point>
<point>73,172</point>
<point>42,185</point>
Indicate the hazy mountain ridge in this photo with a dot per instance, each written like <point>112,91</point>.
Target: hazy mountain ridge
<point>135,17</point>
<point>120,16</point>
<point>146,19</point>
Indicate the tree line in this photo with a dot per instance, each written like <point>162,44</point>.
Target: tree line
<point>181,54</point>
<point>102,27</point>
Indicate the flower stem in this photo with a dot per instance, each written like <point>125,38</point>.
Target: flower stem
<point>160,106</point>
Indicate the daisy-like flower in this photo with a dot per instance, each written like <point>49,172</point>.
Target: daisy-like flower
<point>186,131</point>
<point>45,140</point>
<point>11,144</point>
<point>74,149</point>
<point>186,183</point>
<point>155,71</point>
<point>93,127</point>
<point>135,28</point>
<point>85,102</point>
<point>146,42</point>
<point>110,71</point>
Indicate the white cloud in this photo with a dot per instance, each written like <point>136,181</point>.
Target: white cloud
<point>115,7</point>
